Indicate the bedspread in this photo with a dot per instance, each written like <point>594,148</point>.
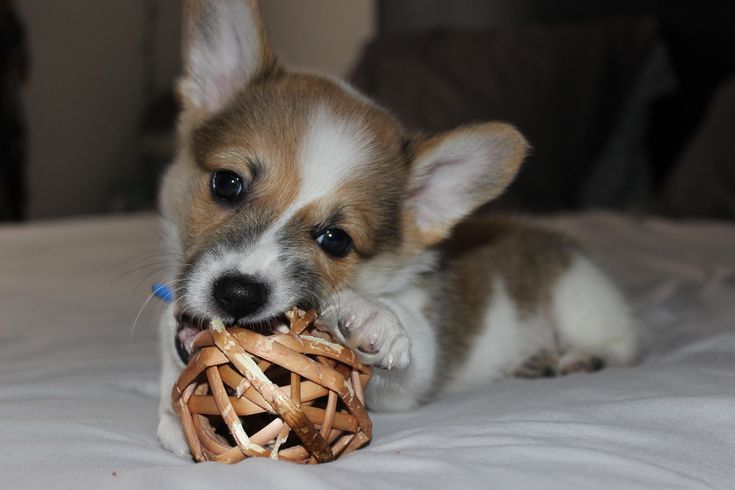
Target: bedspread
<point>79,378</point>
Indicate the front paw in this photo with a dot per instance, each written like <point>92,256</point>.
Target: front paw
<point>369,328</point>
<point>171,435</point>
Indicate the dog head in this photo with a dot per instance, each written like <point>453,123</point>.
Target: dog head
<point>288,187</point>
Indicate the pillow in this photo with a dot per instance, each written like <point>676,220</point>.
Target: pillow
<point>564,86</point>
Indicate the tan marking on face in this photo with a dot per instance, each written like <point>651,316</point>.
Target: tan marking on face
<point>266,138</point>
<point>269,123</point>
<point>334,272</point>
<point>528,259</point>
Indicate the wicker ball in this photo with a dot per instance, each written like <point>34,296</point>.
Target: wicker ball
<point>293,396</point>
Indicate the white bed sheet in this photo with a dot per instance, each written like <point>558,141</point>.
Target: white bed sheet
<point>78,388</point>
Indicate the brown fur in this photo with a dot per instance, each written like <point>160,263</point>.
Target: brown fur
<point>265,124</point>
<point>527,259</point>
<point>257,133</point>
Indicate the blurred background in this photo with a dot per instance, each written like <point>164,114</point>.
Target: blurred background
<point>629,104</point>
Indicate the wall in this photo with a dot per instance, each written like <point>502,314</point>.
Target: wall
<point>84,99</point>
<point>323,35</point>
<point>88,82</point>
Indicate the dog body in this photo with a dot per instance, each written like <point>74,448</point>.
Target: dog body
<point>293,189</point>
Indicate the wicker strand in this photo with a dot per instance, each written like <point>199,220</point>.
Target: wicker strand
<point>226,379</point>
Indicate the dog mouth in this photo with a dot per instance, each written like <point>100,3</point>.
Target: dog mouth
<point>189,326</point>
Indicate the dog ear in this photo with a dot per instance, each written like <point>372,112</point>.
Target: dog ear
<point>455,172</point>
<point>225,48</point>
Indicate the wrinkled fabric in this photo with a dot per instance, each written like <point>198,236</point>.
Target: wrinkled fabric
<point>79,385</point>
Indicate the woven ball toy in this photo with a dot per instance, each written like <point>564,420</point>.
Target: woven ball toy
<point>295,396</point>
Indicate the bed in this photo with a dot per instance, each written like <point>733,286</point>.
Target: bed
<point>79,374</point>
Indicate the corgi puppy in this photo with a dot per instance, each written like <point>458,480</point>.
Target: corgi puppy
<point>290,188</point>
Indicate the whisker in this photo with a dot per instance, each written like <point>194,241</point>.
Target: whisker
<point>142,308</point>
<point>137,269</point>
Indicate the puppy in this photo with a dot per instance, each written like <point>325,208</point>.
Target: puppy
<point>291,188</point>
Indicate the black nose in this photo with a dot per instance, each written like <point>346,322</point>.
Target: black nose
<point>239,295</point>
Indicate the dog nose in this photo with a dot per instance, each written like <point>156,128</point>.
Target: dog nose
<point>239,295</point>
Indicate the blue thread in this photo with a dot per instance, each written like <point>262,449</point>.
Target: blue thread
<point>163,292</point>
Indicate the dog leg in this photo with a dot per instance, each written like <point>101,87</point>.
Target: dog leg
<point>543,364</point>
<point>170,434</point>
<point>393,335</point>
<point>579,363</point>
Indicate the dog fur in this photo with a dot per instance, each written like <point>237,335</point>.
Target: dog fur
<point>426,295</point>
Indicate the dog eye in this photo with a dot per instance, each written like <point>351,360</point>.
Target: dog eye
<point>226,185</point>
<point>335,242</point>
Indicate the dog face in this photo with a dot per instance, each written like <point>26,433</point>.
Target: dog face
<point>283,194</point>
<point>289,187</point>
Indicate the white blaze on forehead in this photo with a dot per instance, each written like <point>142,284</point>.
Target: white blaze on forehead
<point>331,150</point>
<point>330,153</point>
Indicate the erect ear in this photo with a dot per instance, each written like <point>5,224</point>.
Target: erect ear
<point>456,172</point>
<point>225,47</point>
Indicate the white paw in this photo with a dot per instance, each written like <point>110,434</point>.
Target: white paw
<point>370,328</point>
<point>171,435</point>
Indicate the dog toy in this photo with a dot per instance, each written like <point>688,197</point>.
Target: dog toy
<point>295,396</point>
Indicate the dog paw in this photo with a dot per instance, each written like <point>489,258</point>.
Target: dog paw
<point>171,435</point>
<point>369,328</point>
<point>580,363</point>
<point>547,363</point>
<point>543,364</point>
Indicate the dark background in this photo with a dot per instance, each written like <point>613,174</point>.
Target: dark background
<point>629,105</point>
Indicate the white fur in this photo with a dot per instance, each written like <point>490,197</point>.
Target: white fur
<point>369,328</point>
<point>170,434</point>
<point>404,389</point>
<point>588,316</point>
<point>262,261</point>
<point>386,316</point>
<point>451,180</point>
<point>224,52</point>
<point>592,316</point>
<point>407,343</point>
<point>330,151</point>
<point>382,276</point>
<point>507,337</point>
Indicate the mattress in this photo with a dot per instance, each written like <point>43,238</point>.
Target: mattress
<point>79,378</point>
